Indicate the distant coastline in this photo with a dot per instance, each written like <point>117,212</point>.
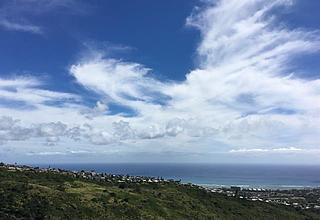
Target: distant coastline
<point>214,175</point>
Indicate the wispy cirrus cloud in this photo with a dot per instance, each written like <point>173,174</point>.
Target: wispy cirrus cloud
<point>27,90</point>
<point>17,15</point>
<point>242,90</point>
<point>12,26</point>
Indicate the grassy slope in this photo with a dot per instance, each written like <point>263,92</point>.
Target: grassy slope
<point>27,195</point>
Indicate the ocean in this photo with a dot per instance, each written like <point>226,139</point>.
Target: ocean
<point>216,175</point>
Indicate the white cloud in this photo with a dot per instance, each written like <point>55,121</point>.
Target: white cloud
<point>243,93</point>
<point>11,131</point>
<point>99,109</point>
<point>121,82</point>
<point>54,153</point>
<point>28,90</point>
<point>21,82</point>
<point>12,26</point>
<point>101,138</point>
<point>7,123</point>
<point>274,150</point>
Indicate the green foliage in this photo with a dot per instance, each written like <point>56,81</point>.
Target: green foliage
<point>31,195</point>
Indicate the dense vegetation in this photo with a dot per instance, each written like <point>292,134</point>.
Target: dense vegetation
<point>31,195</point>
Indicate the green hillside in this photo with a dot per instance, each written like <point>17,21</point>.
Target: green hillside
<point>34,195</point>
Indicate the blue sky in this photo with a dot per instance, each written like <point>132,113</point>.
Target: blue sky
<point>213,81</point>
<point>161,42</point>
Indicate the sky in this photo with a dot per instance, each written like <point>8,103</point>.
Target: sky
<point>197,81</point>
